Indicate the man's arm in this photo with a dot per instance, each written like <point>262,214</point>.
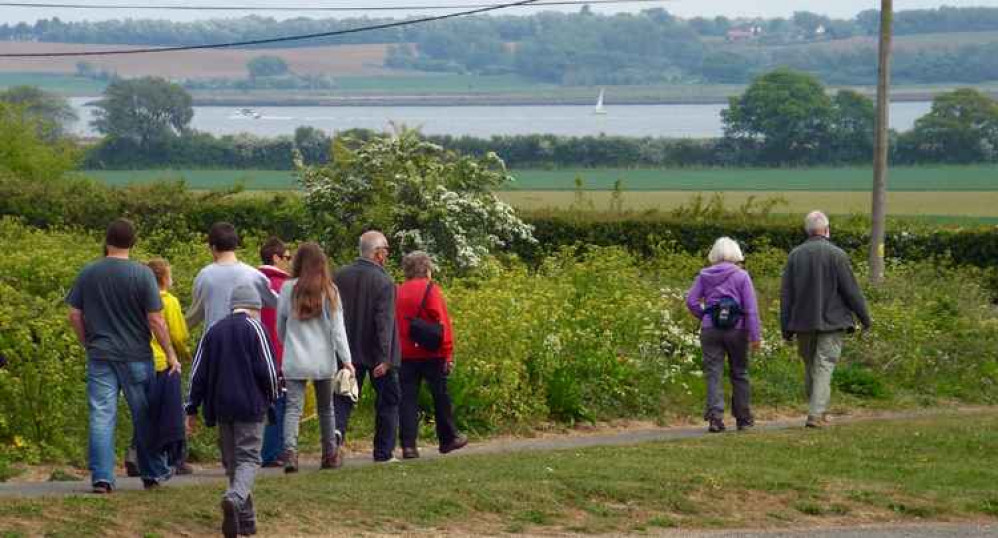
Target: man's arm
<point>267,294</point>
<point>851,292</point>
<point>195,314</point>
<point>384,324</point>
<point>199,377</point>
<point>265,369</point>
<point>786,300</point>
<point>157,324</point>
<point>79,327</point>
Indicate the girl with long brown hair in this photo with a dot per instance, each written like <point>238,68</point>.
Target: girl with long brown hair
<point>310,325</point>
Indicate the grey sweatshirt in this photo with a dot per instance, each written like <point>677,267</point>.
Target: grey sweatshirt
<point>213,289</point>
<point>311,346</point>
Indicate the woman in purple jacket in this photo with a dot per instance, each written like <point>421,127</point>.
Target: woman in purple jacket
<point>722,289</point>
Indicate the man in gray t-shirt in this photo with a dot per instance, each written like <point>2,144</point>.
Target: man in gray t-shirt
<point>115,308</point>
<point>214,284</point>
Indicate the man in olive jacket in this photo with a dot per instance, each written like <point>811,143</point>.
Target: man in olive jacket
<point>819,298</point>
<point>368,294</point>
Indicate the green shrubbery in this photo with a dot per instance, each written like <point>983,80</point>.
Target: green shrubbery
<point>587,334</point>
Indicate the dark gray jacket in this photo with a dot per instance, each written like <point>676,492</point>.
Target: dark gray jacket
<point>819,291</point>
<point>368,295</point>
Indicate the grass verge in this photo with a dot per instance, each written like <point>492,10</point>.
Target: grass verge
<point>941,468</point>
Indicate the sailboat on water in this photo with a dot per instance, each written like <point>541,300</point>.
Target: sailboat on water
<point>600,109</point>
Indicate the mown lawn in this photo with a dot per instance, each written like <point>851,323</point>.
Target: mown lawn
<point>931,468</point>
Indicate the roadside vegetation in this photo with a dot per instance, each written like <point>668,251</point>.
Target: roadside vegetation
<point>939,468</point>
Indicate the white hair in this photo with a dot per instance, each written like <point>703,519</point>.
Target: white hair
<point>370,242</point>
<point>725,249</point>
<point>815,223</point>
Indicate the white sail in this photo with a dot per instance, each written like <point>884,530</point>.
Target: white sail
<point>600,109</point>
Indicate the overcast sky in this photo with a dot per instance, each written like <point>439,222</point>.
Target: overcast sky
<point>685,8</point>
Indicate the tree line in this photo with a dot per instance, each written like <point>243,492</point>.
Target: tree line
<point>586,48</point>
<point>784,118</point>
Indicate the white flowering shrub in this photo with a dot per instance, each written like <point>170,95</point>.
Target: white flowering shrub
<point>421,195</point>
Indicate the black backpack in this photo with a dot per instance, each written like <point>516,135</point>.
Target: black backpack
<point>726,313</point>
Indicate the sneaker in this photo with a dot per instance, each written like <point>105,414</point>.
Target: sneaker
<point>458,443</point>
<point>392,459</point>
<point>813,422</point>
<point>102,488</point>
<point>230,518</point>
<point>149,484</point>
<point>247,518</point>
<point>183,468</point>
<point>410,453</point>
<point>716,426</point>
<point>290,461</point>
<point>745,425</point>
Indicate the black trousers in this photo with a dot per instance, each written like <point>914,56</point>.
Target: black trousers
<point>386,409</point>
<point>412,375</point>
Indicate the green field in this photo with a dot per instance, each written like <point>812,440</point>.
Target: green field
<point>923,179</point>
<point>57,83</point>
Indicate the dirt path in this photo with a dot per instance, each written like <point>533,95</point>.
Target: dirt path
<point>214,474</point>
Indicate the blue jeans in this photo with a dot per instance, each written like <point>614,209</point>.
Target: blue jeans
<point>105,379</point>
<point>273,435</point>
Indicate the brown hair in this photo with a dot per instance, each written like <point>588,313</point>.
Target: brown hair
<point>315,285</point>
<point>160,268</point>
<point>120,234</point>
<point>223,237</point>
<point>272,247</point>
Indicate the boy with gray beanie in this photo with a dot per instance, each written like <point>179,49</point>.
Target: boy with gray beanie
<point>235,379</point>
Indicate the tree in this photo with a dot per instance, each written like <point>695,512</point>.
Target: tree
<point>851,131</point>
<point>420,195</point>
<point>267,66</point>
<point>786,114</point>
<point>146,111</point>
<point>53,112</point>
<point>23,151</point>
<point>962,127</point>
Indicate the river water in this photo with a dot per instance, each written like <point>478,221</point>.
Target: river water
<point>691,121</point>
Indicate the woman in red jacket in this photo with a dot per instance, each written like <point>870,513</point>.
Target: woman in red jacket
<point>419,297</point>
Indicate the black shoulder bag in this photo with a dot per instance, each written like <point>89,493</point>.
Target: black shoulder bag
<point>428,335</point>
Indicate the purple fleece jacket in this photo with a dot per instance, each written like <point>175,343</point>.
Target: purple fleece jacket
<point>725,280</point>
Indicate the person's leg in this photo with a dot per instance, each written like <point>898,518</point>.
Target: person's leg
<point>135,379</point>
<point>409,379</point>
<point>294,406</point>
<point>712,347</point>
<point>273,436</point>
<point>248,441</point>
<point>443,410</point>
<point>102,401</point>
<point>736,344</point>
<point>327,423</point>
<point>343,406</point>
<point>386,405</point>
<point>227,449</point>
<point>827,352</point>
<point>806,343</point>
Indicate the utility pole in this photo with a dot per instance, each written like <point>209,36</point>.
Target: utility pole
<point>880,145</point>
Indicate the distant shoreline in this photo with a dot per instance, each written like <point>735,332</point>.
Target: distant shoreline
<point>491,100</point>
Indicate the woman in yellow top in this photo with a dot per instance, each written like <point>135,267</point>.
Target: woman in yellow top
<point>179,335</point>
<point>172,313</point>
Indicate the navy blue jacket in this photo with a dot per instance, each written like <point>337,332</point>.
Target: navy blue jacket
<point>234,376</point>
<point>166,413</point>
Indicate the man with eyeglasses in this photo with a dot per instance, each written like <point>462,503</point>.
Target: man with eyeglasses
<point>368,294</point>
<point>276,266</point>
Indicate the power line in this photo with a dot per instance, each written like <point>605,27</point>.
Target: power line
<point>301,37</point>
<point>425,7</point>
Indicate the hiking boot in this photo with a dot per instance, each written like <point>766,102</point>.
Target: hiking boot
<point>102,488</point>
<point>230,518</point>
<point>330,456</point>
<point>148,484</point>
<point>458,443</point>
<point>814,422</point>
<point>183,468</point>
<point>745,425</point>
<point>716,426</point>
<point>290,458</point>
<point>410,453</point>
<point>132,469</point>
